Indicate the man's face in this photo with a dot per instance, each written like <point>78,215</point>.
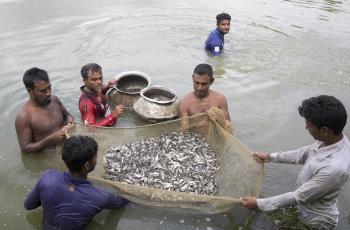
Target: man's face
<point>224,26</point>
<point>94,81</point>
<point>201,84</point>
<point>42,92</point>
<point>315,132</point>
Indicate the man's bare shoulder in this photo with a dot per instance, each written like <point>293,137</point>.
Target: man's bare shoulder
<point>217,95</point>
<point>55,99</point>
<point>187,98</point>
<point>24,112</point>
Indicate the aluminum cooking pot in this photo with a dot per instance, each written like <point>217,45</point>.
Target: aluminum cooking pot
<point>157,103</point>
<point>132,82</point>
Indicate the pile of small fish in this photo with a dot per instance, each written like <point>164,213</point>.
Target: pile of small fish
<point>178,161</point>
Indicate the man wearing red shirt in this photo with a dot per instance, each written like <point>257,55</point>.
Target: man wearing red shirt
<point>93,104</point>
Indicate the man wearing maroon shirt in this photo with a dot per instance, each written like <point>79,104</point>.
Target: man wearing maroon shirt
<point>93,104</point>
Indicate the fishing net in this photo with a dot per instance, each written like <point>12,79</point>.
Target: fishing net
<point>238,174</point>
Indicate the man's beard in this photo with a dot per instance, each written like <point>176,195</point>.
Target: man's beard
<point>45,102</point>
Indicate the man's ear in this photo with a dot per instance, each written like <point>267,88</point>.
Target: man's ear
<point>325,130</point>
<point>212,79</point>
<point>29,90</point>
<point>87,165</point>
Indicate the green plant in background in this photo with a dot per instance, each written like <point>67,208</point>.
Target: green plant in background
<point>287,218</point>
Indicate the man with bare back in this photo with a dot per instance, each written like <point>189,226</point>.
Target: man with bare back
<point>40,122</point>
<point>203,98</point>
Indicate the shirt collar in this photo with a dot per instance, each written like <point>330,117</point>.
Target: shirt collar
<point>82,89</point>
<point>324,152</point>
<point>75,180</point>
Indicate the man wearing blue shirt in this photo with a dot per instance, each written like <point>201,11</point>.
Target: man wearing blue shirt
<point>68,199</point>
<point>215,41</point>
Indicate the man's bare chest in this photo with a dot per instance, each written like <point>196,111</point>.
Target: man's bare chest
<point>200,106</point>
<point>46,120</point>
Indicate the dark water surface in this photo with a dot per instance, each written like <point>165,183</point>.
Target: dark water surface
<point>277,54</point>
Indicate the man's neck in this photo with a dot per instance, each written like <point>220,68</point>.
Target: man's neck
<point>332,140</point>
<point>36,104</point>
<point>90,91</point>
<point>79,175</point>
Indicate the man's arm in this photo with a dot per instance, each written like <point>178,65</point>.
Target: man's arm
<point>224,107</point>
<point>183,113</point>
<point>298,156</point>
<point>213,45</point>
<point>68,118</point>
<point>25,136</point>
<point>183,108</point>
<point>32,200</point>
<point>114,201</point>
<point>317,187</point>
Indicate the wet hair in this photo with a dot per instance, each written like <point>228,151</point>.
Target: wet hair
<point>222,16</point>
<point>77,150</point>
<point>93,67</point>
<point>324,111</point>
<point>203,69</point>
<point>32,75</point>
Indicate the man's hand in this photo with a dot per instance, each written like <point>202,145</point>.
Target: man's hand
<point>111,83</point>
<point>118,110</point>
<point>59,135</point>
<point>249,202</point>
<point>264,157</point>
<point>70,120</point>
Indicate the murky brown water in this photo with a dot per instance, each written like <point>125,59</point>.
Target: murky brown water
<point>277,54</point>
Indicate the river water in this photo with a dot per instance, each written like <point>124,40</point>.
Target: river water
<point>277,54</point>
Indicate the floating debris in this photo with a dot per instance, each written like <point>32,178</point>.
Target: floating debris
<point>178,161</point>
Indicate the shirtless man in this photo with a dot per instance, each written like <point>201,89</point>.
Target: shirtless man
<point>40,122</point>
<point>202,98</point>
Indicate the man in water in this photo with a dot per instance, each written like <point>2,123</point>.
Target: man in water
<point>326,165</point>
<point>93,104</point>
<point>203,98</point>
<point>68,199</point>
<point>40,122</point>
<point>215,41</point>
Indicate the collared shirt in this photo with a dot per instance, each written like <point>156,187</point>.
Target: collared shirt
<point>68,202</point>
<point>215,42</point>
<point>323,176</point>
<point>95,111</point>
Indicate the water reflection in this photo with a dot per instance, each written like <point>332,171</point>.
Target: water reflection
<point>39,162</point>
<point>324,5</point>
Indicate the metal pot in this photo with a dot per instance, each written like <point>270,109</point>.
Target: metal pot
<point>130,84</point>
<point>157,103</point>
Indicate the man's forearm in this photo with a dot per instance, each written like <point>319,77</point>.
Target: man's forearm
<point>36,146</point>
<point>275,202</point>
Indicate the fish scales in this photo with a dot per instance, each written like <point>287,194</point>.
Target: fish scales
<point>177,161</point>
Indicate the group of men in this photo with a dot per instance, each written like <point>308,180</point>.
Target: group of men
<point>69,199</point>
<point>43,120</point>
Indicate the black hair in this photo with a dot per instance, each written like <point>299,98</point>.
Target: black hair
<point>93,67</point>
<point>324,111</point>
<point>222,16</point>
<point>203,69</point>
<point>77,150</point>
<point>32,75</point>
